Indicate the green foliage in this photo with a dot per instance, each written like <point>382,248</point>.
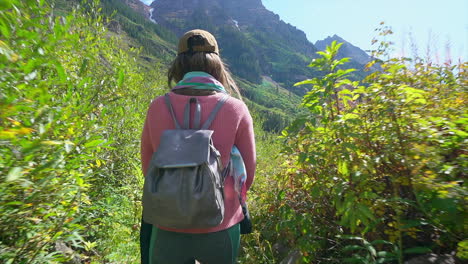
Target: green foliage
<point>278,50</point>
<point>258,246</point>
<point>364,251</point>
<point>240,53</point>
<point>276,105</point>
<point>384,160</point>
<point>71,106</point>
<point>462,250</point>
<point>250,58</point>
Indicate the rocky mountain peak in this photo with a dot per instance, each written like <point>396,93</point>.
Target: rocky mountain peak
<point>239,10</point>
<point>347,49</point>
<point>253,40</point>
<point>244,3</point>
<point>138,6</point>
<point>225,3</point>
<point>244,15</point>
<point>335,38</point>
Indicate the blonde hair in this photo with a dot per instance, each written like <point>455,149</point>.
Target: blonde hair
<point>207,62</point>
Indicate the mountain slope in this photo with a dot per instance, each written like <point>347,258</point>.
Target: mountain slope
<point>130,18</point>
<point>138,6</point>
<point>130,21</point>
<point>253,40</point>
<point>266,54</point>
<point>356,54</point>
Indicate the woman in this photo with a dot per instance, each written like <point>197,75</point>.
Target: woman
<point>199,72</point>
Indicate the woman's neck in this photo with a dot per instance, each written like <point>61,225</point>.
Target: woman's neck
<point>193,92</point>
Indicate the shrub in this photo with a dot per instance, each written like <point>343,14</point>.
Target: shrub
<point>71,108</point>
<point>384,161</point>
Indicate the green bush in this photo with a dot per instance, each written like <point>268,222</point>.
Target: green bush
<point>384,161</point>
<point>372,173</point>
<point>71,110</point>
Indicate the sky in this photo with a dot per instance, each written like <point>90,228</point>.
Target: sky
<point>427,23</point>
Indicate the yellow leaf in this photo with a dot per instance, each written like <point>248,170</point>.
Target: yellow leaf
<point>10,133</point>
<point>14,122</point>
<point>35,220</point>
<point>52,142</point>
<point>5,50</point>
<point>25,131</point>
<point>86,201</point>
<point>7,134</point>
<point>443,193</point>
<point>14,57</point>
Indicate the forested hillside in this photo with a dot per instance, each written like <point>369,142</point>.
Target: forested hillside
<point>254,41</point>
<point>358,58</point>
<point>71,109</point>
<point>275,104</point>
<point>369,171</point>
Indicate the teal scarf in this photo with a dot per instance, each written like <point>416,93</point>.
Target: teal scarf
<point>200,81</point>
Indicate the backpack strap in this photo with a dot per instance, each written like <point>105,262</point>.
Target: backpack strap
<point>187,114</point>
<point>215,111</point>
<point>171,110</point>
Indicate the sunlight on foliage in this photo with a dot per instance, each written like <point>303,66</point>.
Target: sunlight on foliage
<point>369,172</point>
<point>71,107</point>
<point>384,160</point>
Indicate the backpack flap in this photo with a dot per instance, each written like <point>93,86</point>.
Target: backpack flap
<point>178,147</point>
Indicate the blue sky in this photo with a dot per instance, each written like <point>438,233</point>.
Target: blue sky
<point>431,23</point>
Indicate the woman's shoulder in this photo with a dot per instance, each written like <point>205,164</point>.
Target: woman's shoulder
<point>237,104</point>
<point>232,103</point>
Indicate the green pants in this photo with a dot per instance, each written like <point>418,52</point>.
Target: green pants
<point>182,248</point>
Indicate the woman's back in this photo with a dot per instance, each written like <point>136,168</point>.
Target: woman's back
<point>232,126</point>
<point>199,72</point>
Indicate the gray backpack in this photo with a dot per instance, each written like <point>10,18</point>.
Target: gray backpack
<point>184,183</point>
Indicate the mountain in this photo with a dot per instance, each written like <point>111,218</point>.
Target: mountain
<point>357,55</point>
<point>254,41</point>
<point>268,99</point>
<point>266,55</point>
<point>138,6</point>
<point>130,18</point>
<point>243,15</point>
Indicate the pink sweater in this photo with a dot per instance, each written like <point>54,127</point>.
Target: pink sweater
<point>232,126</point>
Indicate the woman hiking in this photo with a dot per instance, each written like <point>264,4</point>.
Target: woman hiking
<point>201,78</point>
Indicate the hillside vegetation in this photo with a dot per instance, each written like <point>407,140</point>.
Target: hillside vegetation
<point>375,171</point>
<point>158,47</point>
<point>370,172</point>
<point>71,110</point>
<point>253,40</point>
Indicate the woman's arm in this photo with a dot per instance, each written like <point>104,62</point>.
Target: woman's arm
<point>146,150</point>
<point>245,142</point>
